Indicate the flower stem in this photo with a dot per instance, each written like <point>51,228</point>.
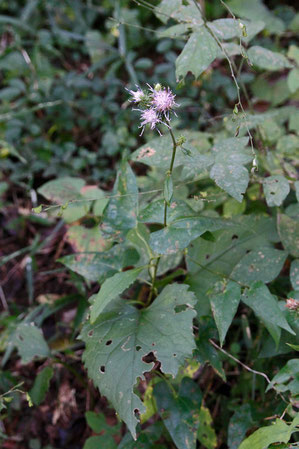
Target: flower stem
<point>156,263</point>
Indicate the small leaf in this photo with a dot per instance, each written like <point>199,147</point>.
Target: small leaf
<point>224,307</point>
<point>267,59</point>
<point>180,413</point>
<point>278,432</point>
<point>38,209</point>
<point>111,288</point>
<point>168,189</point>
<point>41,385</point>
<point>265,306</point>
<point>124,335</point>
<point>30,342</point>
<point>199,52</point>
<point>276,189</point>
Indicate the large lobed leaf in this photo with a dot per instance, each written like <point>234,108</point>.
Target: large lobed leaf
<point>120,339</point>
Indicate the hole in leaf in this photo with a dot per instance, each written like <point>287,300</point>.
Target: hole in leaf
<point>108,342</point>
<point>136,412</point>
<point>90,333</point>
<point>180,308</point>
<point>272,193</point>
<point>235,236</point>
<point>153,344</point>
<point>138,348</point>
<point>247,251</point>
<point>148,358</point>
<point>102,369</point>
<point>207,256</point>
<point>174,355</point>
<point>20,337</point>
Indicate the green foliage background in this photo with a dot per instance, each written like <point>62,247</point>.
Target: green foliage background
<point>192,237</point>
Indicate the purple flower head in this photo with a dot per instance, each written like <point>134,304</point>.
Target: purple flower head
<point>149,117</point>
<point>137,95</point>
<point>163,100</point>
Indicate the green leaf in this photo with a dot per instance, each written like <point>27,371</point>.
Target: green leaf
<point>183,11</point>
<point>41,385</point>
<point>288,230</point>
<point>158,152</point>
<point>265,306</point>
<point>206,434</point>
<point>123,336</point>
<point>180,413</point>
<point>67,189</point>
<point>294,274</point>
<point>276,189</point>
<point>85,239</point>
<point>199,52</point>
<point>96,442</point>
<point>293,80</point>
<point>224,307</point>
<point>121,211</point>
<point>168,189</point>
<point>181,232</point>
<point>239,423</point>
<point>267,59</point>
<point>228,170</point>
<point>230,28</point>
<point>287,378</point>
<point>278,432</point>
<point>96,267</point>
<point>263,264</point>
<point>154,211</point>
<point>30,342</point>
<point>205,352</point>
<point>111,288</point>
<point>255,10</point>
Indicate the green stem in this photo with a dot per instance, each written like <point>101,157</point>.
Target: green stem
<point>156,263</point>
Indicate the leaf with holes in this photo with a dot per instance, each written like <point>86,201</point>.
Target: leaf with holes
<point>118,343</point>
<point>199,52</point>
<point>263,264</point>
<point>206,434</point>
<point>111,288</point>
<point>180,413</point>
<point>276,188</point>
<point>228,170</point>
<point>121,211</point>
<point>224,307</point>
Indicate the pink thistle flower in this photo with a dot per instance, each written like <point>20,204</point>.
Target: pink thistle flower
<point>137,95</point>
<point>292,304</point>
<point>149,117</point>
